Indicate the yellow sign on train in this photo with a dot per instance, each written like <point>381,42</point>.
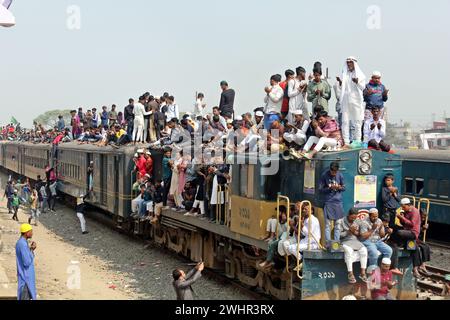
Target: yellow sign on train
<point>249,217</point>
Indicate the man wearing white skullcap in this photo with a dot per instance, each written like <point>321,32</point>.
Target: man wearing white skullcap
<point>353,82</point>
<point>371,233</point>
<point>375,95</point>
<point>383,281</point>
<point>296,132</point>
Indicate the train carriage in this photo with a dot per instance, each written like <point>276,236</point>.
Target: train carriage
<point>426,174</point>
<point>250,200</point>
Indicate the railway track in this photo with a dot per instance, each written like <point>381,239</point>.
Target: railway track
<point>435,283</point>
<point>439,244</point>
<point>217,276</point>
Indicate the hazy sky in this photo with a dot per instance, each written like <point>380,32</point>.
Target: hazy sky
<point>125,48</point>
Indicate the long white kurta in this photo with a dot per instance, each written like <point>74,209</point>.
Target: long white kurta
<point>352,101</point>
<point>297,99</point>
<point>289,246</point>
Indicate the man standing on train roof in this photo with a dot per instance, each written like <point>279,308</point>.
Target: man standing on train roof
<point>297,94</point>
<point>61,124</point>
<point>128,116</point>
<point>289,74</point>
<point>273,101</point>
<point>139,113</point>
<point>94,118</point>
<point>353,84</point>
<point>319,91</point>
<point>332,186</point>
<point>375,95</point>
<point>226,105</point>
<point>26,287</point>
<point>80,209</point>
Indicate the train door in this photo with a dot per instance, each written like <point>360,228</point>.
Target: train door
<point>103,179</point>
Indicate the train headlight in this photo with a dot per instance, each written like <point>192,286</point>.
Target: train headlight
<point>365,162</point>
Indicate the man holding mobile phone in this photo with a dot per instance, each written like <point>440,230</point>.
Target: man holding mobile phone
<point>183,282</point>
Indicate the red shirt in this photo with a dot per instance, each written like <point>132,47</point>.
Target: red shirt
<point>140,165</point>
<point>58,139</point>
<point>285,105</point>
<point>383,278</point>
<point>411,221</point>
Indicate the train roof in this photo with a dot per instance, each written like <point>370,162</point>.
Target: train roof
<point>425,155</point>
<point>81,147</point>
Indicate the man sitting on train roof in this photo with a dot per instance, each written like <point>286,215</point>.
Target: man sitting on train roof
<point>327,134</point>
<point>277,230</point>
<point>407,229</point>
<point>374,127</point>
<point>371,232</point>
<point>295,135</point>
<point>309,240</point>
<point>354,250</point>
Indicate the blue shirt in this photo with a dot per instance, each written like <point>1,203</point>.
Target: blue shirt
<point>331,195</point>
<point>104,117</point>
<point>61,124</point>
<point>376,99</point>
<point>25,268</point>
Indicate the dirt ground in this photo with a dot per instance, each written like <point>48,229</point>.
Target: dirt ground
<point>56,265</point>
<point>111,266</point>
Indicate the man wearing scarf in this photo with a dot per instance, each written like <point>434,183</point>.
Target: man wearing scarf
<point>353,84</point>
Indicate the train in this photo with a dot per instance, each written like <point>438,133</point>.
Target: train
<point>234,247</point>
<point>426,174</point>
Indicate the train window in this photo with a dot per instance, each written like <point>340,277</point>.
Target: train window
<point>408,185</point>
<point>443,189</point>
<point>432,187</point>
<point>419,186</point>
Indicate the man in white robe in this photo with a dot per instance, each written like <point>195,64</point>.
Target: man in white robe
<point>352,101</point>
<point>6,17</point>
<point>297,95</point>
<point>139,123</point>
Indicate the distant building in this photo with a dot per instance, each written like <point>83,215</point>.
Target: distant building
<point>402,136</point>
<point>438,137</point>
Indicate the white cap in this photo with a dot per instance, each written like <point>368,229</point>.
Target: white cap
<point>376,74</point>
<point>229,121</point>
<point>405,201</point>
<point>349,297</point>
<point>373,210</point>
<point>259,114</point>
<point>386,261</point>
<point>140,151</point>
<point>352,58</point>
<point>297,112</point>
<point>157,97</point>
<point>239,118</point>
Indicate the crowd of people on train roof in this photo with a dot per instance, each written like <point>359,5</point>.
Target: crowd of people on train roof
<point>295,113</point>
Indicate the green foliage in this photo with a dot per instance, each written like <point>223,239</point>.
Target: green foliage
<point>50,118</point>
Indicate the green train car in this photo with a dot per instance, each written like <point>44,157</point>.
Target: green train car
<point>426,174</point>
<point>256,191</point>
